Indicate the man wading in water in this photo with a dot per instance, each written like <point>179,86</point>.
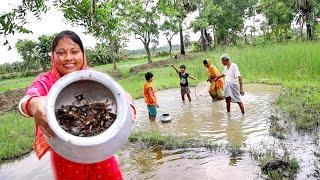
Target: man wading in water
<point>232,83</point>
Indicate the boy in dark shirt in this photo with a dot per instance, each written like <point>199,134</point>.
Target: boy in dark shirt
<point>184,81</point>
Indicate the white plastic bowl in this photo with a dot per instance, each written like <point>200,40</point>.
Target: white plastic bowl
<point>165,118</point>
<point>97,86</point>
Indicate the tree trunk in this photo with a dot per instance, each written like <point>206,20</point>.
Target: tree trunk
<point>208,39</point>
<point>111,46</point>
<point>146,47</point>
<point>301,31</point>
<point>182,52</point>
<point>214,37</point>
<point>170,49</point>
<point>203,41</point>
<point>309,32</point>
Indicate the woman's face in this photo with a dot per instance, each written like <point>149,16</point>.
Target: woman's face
<point>68,56</point>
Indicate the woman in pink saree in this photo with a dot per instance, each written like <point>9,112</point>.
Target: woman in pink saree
<point>67,55</point>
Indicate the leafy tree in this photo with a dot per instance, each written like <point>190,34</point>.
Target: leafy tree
<point>26,48</point>
<point>209,17</point>
<point>307,13</point>
<point>179,9</point>
<point>14,21</point>
<point>142,20</point>
<point>170,27</point>
<point>105,20</point>
<point>43,49</point>
<point>279,14</point>
<point>187,40</point>
<point>201,24</point>
<point>35,54</point>
<point>99,55</point>
<point>225,17</point>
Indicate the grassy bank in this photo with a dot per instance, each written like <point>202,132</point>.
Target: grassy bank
<point>302,101</point>
<point>294,65</point>
<point>157,140</point>
<point>16,134</point>
<point>275,166</point>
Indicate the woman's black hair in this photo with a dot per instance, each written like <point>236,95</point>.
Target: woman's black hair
<point>69,34</point>
<point>148,76</point>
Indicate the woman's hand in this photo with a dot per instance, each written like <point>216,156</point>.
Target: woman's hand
<point>37,106</point>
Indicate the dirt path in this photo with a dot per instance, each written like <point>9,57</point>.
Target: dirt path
<point>9,100</point>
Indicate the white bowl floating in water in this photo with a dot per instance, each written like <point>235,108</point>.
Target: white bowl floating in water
<point>165,118</point>
<point>97,86</point>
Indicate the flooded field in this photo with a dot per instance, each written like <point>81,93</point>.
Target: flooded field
<point>204,120</point>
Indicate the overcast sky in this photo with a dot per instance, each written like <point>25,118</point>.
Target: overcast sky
<point>53,22</point>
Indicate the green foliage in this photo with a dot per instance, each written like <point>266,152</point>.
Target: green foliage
<point>43,49</point>
<point>17,136</point>
<point>99,55</point>
<point>27,49</point>
<point>12,67</point>
<point>157,140</point>
<point>226,17</point>
<point>280,14</point>
<point>276,166</point>
<point>15,83</point>
<point>196,46</point>
<point>301,100</point>
<point>143,23</point>
<point>14,21</point>
<point>105,20</point>
<point>35,54</point>
<point>199,23</point>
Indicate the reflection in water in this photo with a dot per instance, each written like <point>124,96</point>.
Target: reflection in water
<point>154,126</point>
<point>159,154</point>
<point>235,138</point>
<point>234,131</point>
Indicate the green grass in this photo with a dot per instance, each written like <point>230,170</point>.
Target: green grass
<point>16,83</point>
<point>302,101</point>
<point>276,164</point>
<point>157,140</point>
<point>125,65</point>
<point>17,135</point>
<point>278,167</point>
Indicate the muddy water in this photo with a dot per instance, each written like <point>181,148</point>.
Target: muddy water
<point>209,120</point>
<point>200,119</point>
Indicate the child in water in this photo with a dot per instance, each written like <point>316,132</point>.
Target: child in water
<point>184,84</point>
<point>150,96</point>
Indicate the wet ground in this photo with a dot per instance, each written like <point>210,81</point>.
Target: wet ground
<point>205,120</point>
